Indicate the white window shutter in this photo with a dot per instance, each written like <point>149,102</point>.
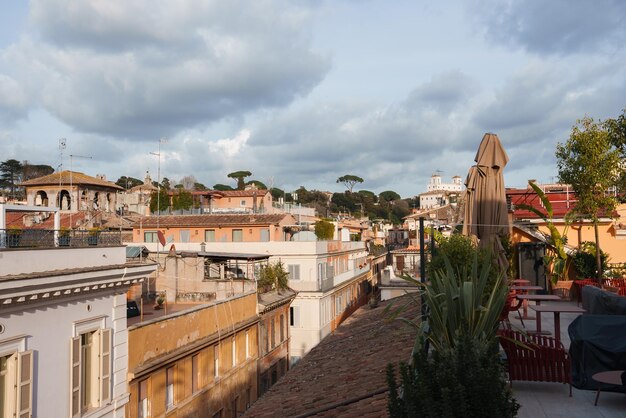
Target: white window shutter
<point>105,366</point>
<point>25,384</point>
<point>75,398</point>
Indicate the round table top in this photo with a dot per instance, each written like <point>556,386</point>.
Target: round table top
<point>611,377</point>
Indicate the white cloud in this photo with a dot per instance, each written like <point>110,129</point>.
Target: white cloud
<point>230,147</point>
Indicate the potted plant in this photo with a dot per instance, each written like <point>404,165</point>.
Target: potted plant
<point>93,236</point>
<point>64,237</point>
<point>160,300</point>
<point>14,235</point>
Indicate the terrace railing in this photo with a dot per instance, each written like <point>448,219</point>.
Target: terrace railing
<point>49,238</point>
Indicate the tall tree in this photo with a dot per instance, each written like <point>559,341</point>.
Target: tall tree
<point>389,196</point>
<point>33,171</point>
<point>259,184</point>
<point>182,199</point>
<point>349,181</point>
<point>617,132</point>
<point>11,175</point>
<point>590,163</point>
<point>187,182</point>
<point>221,187</point>
<point>159,201</point>
<point>199,187</point>
<point>239,176</point>
<point>128,182</point>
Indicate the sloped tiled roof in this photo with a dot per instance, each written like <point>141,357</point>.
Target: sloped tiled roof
<point>344,375</point>
<point>64,177</point>
<point>244,193</point>
<point>170,221</point>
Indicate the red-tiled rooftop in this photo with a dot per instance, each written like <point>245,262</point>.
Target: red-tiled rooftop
<point>345,374</point>
<point>70,177</point>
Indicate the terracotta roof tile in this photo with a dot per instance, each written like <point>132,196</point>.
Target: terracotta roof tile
<point>213,220</point>
<point>348,364</point>
<point>244,193</point>
<point>63,177</point>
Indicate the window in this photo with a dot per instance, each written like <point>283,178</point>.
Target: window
<point>216,361</point>
<point>338,306</point>
<point>91,370</point>
<point>142,400</point>
<point>242,203</point>
<point>195,373</point>
<point>209,235</point>
<point>150,236</point>
<point>169,388</point>
<point>237,235</point>
<point>16,371</point>
<point>234,351</point>
<point>233,407</point>
<point>247,345</point>
<point>265,235</point>
<point>294,271</point>
<point>273,331</point>
<point>282,326</point>
<point>294,316</point>
<point>184,235</point>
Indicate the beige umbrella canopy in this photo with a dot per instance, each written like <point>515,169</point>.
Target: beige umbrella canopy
<point>486,213</point>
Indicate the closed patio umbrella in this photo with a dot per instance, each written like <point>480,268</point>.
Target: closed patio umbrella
<point>486,213</point>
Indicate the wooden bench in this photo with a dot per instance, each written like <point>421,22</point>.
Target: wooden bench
<point>535,358</point>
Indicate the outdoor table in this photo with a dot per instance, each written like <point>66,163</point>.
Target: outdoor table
<point>612,377</point>
<point>525,289</point>
<point>556,309</point>
<point>537,299</point>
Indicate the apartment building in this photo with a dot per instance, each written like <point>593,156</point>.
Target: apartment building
<point>212,228</point>
<point>63,334</point>
<point>332,278</point>
<point>198,362</point>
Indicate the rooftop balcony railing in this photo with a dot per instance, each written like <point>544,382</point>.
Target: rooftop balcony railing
<point>49,238</point>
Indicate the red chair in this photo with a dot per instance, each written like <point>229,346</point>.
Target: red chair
<point>535,358</point>
<point>582,283</point>
<point>512,304</point>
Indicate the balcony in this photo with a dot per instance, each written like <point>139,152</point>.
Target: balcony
<point>39,250</point>
<point>16,238</point>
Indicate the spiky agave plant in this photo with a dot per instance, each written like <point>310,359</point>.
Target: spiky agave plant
<point>461,303</point>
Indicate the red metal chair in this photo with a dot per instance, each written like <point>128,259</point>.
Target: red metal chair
<point>582,283</point>
<point>535,358</point>
<point>512,304</point>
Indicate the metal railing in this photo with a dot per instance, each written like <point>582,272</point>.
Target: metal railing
<point>46,238</point>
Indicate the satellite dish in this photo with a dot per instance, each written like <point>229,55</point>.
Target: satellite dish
<point>161,238</point>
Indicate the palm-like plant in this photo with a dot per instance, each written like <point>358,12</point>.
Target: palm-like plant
<point>458,304</point>
<point>559,262</point>
<point>461,302</point>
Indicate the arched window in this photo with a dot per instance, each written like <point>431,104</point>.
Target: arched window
<point>41,198</point>
<point>64,200</point>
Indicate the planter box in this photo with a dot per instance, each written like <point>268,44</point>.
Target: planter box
<point>563,289</point>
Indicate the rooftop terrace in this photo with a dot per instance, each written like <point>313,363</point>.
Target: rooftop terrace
<point>345,376</point>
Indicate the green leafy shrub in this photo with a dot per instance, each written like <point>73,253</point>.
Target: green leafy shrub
<point>324,230</point>
<point>585,260</point>
<point>466,380</point>
<point>273,277</point>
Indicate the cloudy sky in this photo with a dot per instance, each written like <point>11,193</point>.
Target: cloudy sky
<point>300,92</point>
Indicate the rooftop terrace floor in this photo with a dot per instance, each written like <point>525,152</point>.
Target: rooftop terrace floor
<point>538,399</point>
